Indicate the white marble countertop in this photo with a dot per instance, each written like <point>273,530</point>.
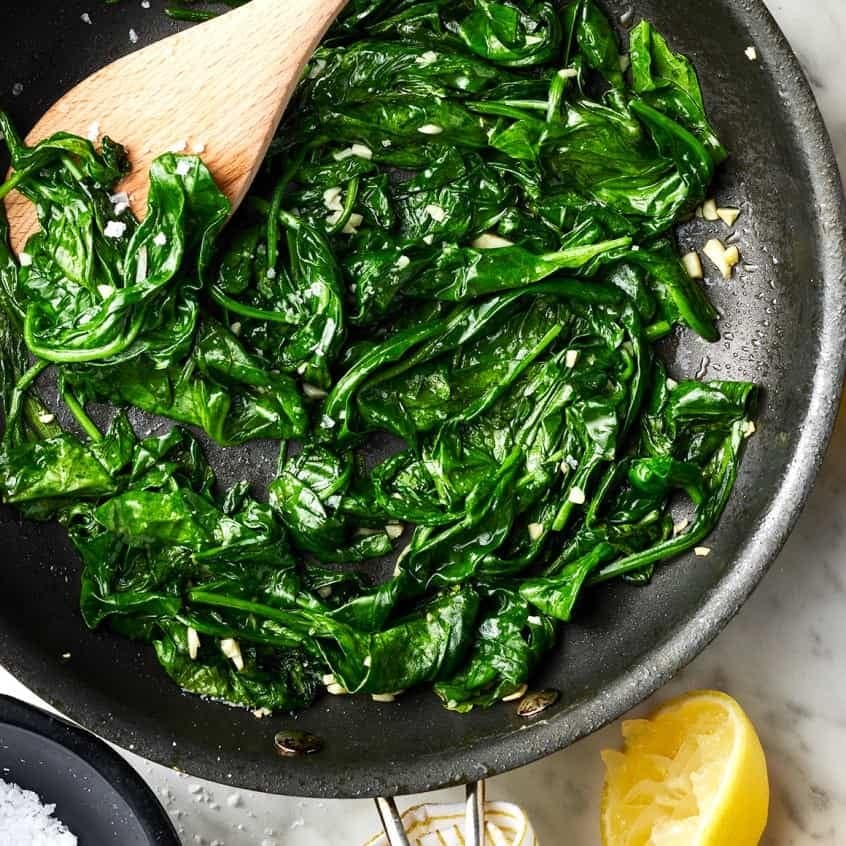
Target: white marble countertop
<point>783,657</point>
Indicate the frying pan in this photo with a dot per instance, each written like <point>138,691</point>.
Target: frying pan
<point>783,326</point>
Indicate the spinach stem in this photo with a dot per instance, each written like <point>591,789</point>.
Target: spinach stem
<point>12,182</point>
<point>20,389</point>
<point>31,375</point>
<point>349,203</point>
<point>249,311</point>
<point>85,422</point>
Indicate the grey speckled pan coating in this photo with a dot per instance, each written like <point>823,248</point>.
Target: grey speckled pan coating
<point>783,325</point>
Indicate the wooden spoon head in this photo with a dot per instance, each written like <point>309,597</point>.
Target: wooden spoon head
<point>218,89</point>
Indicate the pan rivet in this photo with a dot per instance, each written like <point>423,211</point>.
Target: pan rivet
<point>292,743</point>
<point>534,703</point>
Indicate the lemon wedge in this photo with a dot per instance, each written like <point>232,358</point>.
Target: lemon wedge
<point>693,774</point>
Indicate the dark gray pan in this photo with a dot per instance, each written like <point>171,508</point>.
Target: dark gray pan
<point>783,326</point>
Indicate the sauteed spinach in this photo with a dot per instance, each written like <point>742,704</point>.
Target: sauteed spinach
<point>462,237</point>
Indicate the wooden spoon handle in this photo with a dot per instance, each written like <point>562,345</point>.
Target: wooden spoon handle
<point>219,89</point>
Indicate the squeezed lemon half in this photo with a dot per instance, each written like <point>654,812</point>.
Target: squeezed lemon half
<point>693,774</point>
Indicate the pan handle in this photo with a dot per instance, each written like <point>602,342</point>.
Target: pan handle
<point>391,821</point>
<point>474,814</point>
<point>474,817</point>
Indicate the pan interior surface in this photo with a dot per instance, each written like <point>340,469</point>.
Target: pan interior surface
<point>782,326</point>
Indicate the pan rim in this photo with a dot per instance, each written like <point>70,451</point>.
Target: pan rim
<point>493,754</point>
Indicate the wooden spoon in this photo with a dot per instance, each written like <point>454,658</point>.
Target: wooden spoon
<point>218,89</point>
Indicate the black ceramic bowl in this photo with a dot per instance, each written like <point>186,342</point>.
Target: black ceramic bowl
<point>97,794</point>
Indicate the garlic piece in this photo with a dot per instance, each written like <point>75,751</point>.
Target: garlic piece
<point>232,650</point>
<point>193,642</point>
<point>729,215</point>
<point>693,265</point>
<point>725,259</point>
<point>709,209</point>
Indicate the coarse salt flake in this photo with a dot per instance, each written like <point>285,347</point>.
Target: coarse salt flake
<point>751,53</point>
<point>25,259</point>
<point>85,18</point>
<point>702,551</point>
<point>430,129</point>
<point>160,239</point>
<point>427,58</point>
<point>133,36</point>
<point>24,818</point>
<point>183,167</point>
<point>577,496</point>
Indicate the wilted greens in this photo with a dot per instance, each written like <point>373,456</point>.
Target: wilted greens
<point>461,244</point>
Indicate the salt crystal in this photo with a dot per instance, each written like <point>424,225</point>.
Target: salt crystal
<point>25,819</point>
<point>85,18</point>
<point>133,36</point>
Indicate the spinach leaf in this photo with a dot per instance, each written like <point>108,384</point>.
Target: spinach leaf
<point>459,251</point>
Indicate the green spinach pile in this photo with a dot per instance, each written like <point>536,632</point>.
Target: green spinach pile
<point>462,239</point>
